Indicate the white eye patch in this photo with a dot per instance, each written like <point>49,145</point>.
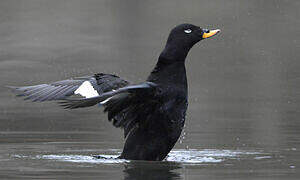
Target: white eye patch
<point>188,31</point>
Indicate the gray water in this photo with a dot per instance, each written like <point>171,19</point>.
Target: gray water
<point>244,84</point>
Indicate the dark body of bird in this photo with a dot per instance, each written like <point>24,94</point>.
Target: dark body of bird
<point>151,113</point>
<point>164,115</point>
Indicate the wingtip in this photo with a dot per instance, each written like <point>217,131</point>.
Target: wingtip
<point>15,89</point>
<point>11,87</point>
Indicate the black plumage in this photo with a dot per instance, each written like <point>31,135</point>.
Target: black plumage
<point>151,113</point>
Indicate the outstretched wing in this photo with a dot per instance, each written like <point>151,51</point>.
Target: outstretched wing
<point>126,106</point>
<point>89,86</point>
<point>143,88</point>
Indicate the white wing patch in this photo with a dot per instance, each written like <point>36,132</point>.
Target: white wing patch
<point>86,89</point>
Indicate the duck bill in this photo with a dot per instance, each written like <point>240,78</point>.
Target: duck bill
<point>211,33</point>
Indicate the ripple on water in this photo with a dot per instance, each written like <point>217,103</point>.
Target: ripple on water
<point>191,156</point>
<point>104,159</point>
<point>206,155</point>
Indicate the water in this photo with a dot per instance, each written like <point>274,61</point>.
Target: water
<point>46,160</point>
<point>244,84</point>
<point>188,157</point>
<point>39,158</point>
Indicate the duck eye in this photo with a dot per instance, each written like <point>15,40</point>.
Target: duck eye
<point>188,31</point>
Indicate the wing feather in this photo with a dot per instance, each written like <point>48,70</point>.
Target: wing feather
<point>126,105</point>
<point>62,89</point>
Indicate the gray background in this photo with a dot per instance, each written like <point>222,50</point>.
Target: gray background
<point>244,84</point>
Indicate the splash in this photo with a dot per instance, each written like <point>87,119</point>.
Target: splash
<point>105,159</point>
<point>190,156</point>
<point>206,155</point>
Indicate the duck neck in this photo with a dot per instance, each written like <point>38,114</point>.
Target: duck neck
<point>169,71</point>
<point>174,52</point>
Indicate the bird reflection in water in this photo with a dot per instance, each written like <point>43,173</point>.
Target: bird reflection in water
<point>151,170</point>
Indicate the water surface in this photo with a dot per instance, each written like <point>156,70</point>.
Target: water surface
<point>244,84</point>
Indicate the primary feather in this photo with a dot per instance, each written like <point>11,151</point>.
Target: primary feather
<point>88,86</point>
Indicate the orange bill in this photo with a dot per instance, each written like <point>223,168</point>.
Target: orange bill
<point>211,33</point>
